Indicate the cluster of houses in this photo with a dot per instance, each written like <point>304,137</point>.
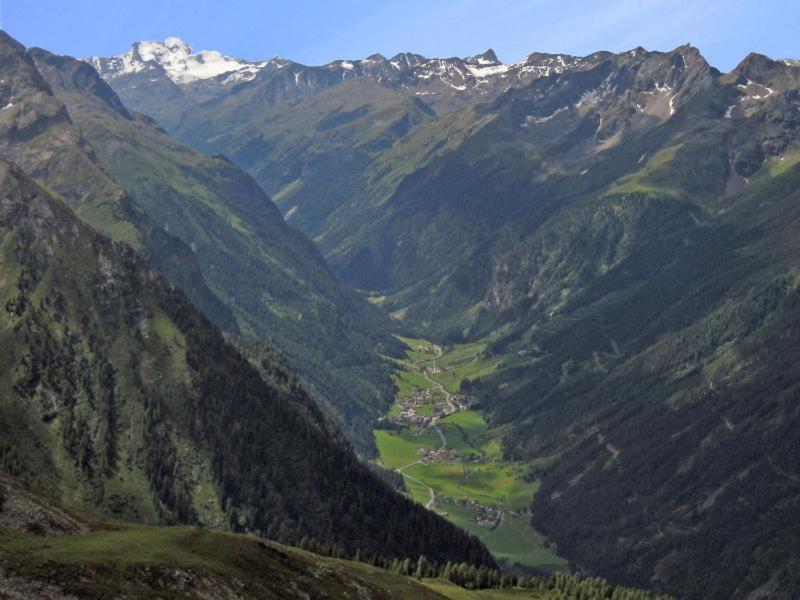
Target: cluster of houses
<point>489,518</point>
<point>429,455</point>
<point>485,515</point>
<point>409,409</point>
<point>468,503</point>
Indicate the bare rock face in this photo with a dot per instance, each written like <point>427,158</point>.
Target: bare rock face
<point>22,588</point>
<point>24,510</point>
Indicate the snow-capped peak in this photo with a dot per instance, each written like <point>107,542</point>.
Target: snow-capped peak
<point>177,59</point>
<point>177,44</point>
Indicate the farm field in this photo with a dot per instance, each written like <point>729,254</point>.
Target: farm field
<point>452,460</point>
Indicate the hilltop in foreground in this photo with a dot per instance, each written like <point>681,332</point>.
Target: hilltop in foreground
<point>46,552</point>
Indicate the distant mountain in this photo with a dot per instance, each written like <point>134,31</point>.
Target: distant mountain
<point>175,59</point>
<point>117,394</point>
<point>164,80</point>
<point>617,227</point>
<point>202,222</point>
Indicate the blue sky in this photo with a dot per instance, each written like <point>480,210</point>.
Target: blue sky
<point>317,32</point>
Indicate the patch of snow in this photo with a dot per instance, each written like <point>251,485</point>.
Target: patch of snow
<point>641,158</point>
<point>591,97</point>
<point>755,91</point>
<point>584,172</point>
<point>289,213</point>
<point>729,112</point>
<point>7,106</point>
<point>531,120</point>
<point>482,72</point>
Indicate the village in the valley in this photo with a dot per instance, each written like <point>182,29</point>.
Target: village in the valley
<point>450,458</point>
<point>423,410</point>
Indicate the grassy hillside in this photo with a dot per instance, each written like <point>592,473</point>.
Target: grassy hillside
<point>82,556</point>
<point>175,562</point>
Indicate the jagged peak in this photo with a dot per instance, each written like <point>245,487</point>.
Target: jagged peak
<point>687,48</point>
<point>176,43</point>
<point>7,39</point>
<point>547,57</point>
<point>79,75</point>
<point>407,60</point>
<point>487,58</point>
<point>755,67</point>
<point>755,58</point>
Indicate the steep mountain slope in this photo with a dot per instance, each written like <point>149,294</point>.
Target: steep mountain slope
<point>117,394</point>
<point>272,279</point>
<point>668,405</point>
<point>36,132</point>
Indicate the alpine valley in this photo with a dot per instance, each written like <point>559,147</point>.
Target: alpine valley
<point>408,327</point>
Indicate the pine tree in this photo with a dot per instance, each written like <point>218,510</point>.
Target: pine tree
<point>422,567</point>
<point>406,567</point>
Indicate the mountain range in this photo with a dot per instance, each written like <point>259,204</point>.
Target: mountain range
<point>210,268</point>
<point>619,229</point>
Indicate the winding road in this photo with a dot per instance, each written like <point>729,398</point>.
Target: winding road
<point>448,397</point>
<point>402,469</point>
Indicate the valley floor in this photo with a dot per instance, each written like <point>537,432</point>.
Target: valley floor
<point>451,460</point>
